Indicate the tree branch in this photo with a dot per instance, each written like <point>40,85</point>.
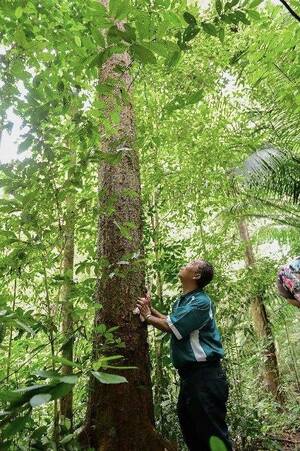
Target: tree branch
<point>290,9</point>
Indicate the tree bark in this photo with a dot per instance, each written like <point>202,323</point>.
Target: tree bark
<point>66,403</point>
<point>120,417</point>
<point>262,324</point>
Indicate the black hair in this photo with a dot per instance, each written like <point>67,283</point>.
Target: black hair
<point>206,274</point>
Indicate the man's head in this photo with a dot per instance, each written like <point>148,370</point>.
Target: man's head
<point>197,274</point>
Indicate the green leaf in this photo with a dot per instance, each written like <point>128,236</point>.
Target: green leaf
<point>183,101</point>
<point>9,396</point>
<point>119,9</point>
<point>8,235</point>
<point>38,400</point>
<point>19,12</point>
<point>60,390</point>
<point>102,361</point>
<point>216,444</point>
<point>25,144</point>
<point>143,54</point>
<point>16,426</point>
<point>20,38</point>
<point>66,362</point>
<point>71,379</point>
<point>173,59</point>
<point>230,18</point>
<point>46,374</point>
<point>231,4</point>
<point>190,32</point>
<point>253,14</point>
<point>219,6</point>
<point>97,60</point>
<point>173,19</point>
<point>115,35</point>
<point>242,17</point>
<point>117,367</point>
<point>25,327</point>
<point>255,3</point>
<point>221,34</point>
<point>67,439</point>
<point>77,41</point>
<point>107,378</point>
<point>209,28</point>
<point>159,48</point>
<point>189,18</point>
<point>31,388</point>
<point>129,33</point>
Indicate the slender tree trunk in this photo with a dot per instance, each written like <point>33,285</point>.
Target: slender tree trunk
<point>261,323</point>
<point>120,417</point>
<point>52,347</point>
<point>11,331</point>
<point>66,403</point>
<point>159,375</point>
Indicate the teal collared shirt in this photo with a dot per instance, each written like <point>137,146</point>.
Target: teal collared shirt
<point>195,336</point>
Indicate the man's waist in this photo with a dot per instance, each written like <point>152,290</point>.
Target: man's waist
<point>191,367</point>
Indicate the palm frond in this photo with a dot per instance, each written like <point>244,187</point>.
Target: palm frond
<point>274,171</point>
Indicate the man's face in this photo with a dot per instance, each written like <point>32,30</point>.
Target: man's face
<point>189,271</point>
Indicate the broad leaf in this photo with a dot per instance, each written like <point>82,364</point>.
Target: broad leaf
<point>40,399</point>
<point>209,28</point>
<point>189,18</point>
<point>143,54</point>
<point>107,378</point>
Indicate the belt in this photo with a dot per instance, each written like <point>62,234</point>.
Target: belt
<point>191,367</point>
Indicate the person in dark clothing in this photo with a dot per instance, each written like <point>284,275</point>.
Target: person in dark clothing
<point>196,352</point>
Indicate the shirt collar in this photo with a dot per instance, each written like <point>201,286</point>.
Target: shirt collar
<point>190,293</point>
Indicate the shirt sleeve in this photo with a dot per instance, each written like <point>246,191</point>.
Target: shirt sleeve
<point>194,316</point>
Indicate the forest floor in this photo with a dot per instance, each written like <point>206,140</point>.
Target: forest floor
<point>290,442</point>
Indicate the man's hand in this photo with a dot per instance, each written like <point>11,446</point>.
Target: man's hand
<point>150,315</point>
<point>147,299</point>
<point>143,304</point>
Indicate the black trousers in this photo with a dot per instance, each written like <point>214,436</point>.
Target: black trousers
<point>201,406</point>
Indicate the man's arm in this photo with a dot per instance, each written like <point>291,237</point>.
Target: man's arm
<point>157,314</point>
<point>159,323</point>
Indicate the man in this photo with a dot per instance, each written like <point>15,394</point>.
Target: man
<point>196,352</point>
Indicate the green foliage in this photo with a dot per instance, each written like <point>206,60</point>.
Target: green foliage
<point>210,87</point>
<point>216,444</point>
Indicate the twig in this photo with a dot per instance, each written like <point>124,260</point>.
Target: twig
<point>290,9</point>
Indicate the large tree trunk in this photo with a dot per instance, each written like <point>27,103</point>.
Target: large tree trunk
<point>262,324</point>
<point>120,417</point>
<point>66,403</point>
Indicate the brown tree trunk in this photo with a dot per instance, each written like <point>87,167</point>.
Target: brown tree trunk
<point>120,417</point>
<point>262,324</point>
<point>66,403</point>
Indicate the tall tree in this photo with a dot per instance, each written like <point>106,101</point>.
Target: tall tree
<point>261,322</point>
<point>121,417</point>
